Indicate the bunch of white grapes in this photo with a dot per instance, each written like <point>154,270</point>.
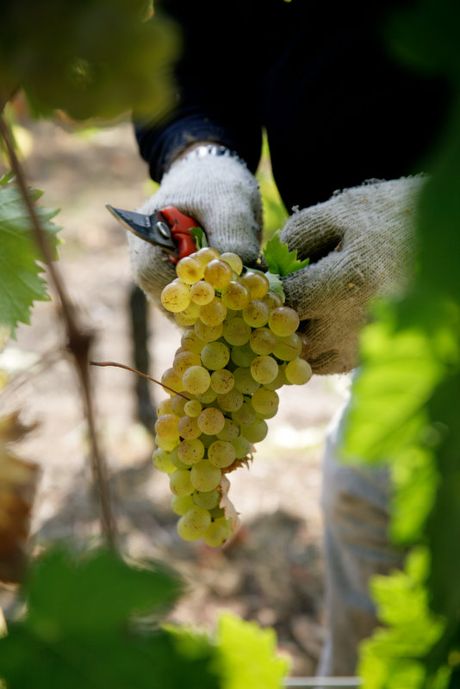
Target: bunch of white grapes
<point>238,347</point>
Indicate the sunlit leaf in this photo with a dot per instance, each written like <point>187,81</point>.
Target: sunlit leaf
<point>20,273</point>
<point>247,656</point>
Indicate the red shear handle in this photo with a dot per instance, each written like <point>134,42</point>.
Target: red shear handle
<point>180,226</point>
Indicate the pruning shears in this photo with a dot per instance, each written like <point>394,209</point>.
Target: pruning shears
<point>168,228</point>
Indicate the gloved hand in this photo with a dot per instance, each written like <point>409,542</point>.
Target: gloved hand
<point>224,198</point>
<point>360,244</point>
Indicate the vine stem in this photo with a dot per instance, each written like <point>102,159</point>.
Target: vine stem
<point>79,342</point>
<point>115,364</point>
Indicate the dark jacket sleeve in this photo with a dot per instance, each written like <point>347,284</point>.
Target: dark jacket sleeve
<point>217,77</point>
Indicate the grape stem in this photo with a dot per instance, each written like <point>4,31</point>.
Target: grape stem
<point>115,364</point>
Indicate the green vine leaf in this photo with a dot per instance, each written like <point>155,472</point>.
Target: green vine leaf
<point>20,272</point>
<point>280,260</point>
<point>199,237</point>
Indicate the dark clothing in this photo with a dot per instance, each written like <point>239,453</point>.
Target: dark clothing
<point>337,109</point>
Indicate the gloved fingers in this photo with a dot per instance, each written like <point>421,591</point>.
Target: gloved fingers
<point>334,284</point>
<point>150,267</point>
<point>330,344</point>
<point>313,232</point>
<point>224,233</point>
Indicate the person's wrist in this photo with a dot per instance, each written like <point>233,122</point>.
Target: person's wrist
<point>205,149</point>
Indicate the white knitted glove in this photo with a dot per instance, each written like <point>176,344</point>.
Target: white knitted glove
<point>360,244</point>
<point>224,198</point>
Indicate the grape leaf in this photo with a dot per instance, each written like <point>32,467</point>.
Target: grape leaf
<point>199,237</point>
<point>247,655</point>
<point>276,285</point>
<point>95,594</point>
<point>395,657</point>
<point>82,629</point>
<point>98,58</point>
<point>20,280</point>
<point>279,259</point>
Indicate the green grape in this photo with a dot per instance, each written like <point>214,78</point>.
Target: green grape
<point>236,296</point>
<point>196,380</point>
<point>264,369</point>
<point>167,444</point>
<point>242,356</point>
<point>204,476</point>
<point>185,320</point>
<point>279,381</point>
<point>166,426</point>
<point>215,355</point>
<point>213,313</point>
<point>175,459</point>
<point>192,408</point>
<point>256,314</point>
<point>181,504</point>
<point>222,381</point>
<point>231,401</point>
<point>194,524</point>
<point>202,293</point>
<point>208,333</point>
<point>217,532</point>
<point>272,300</point>
<point>288,348</point>
<point>243,447</point>
<point>172,381</point>
<point>190,451</point>
<point>162,461</point>
<point>165,407</point>
<point>207,440</point>
<point>221,454</point>
<point>265,402</point>
<point>262,341</point>
<point>207,500</point>
<point>184,360</point>
<point>283,321</point>
<point>188,428</point>
<point>233,260</point>
<point>188,316</point>
<point>298,372</point>
<point>189,270</point>
<point>255,432</point>
<point>191,343</point>
<point>218,274</point>
<point>236,332</point>
<point>205,255</point>
<point>230,431</point>
<point>256,283</point>
<point>217,513</point>
<point>175,297</point>
<point>180,482</point>
<point>178,404</point>
<point>208,397</point>
<point>245,414</point>
<point>244,382</point>
<point>211,421</point>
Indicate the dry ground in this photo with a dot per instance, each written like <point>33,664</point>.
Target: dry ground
<point>273,571</point>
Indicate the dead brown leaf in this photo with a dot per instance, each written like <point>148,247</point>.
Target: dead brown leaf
<point>18,481</point>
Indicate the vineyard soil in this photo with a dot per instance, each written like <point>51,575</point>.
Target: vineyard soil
<point>272,572</point>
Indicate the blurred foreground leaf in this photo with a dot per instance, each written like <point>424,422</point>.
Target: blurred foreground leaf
<point>81,629</point>
<point>20,280</point>
<point>97,58</point>
<point>405,407</point>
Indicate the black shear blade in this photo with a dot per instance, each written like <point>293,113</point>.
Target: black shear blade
<point>146,227</point>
